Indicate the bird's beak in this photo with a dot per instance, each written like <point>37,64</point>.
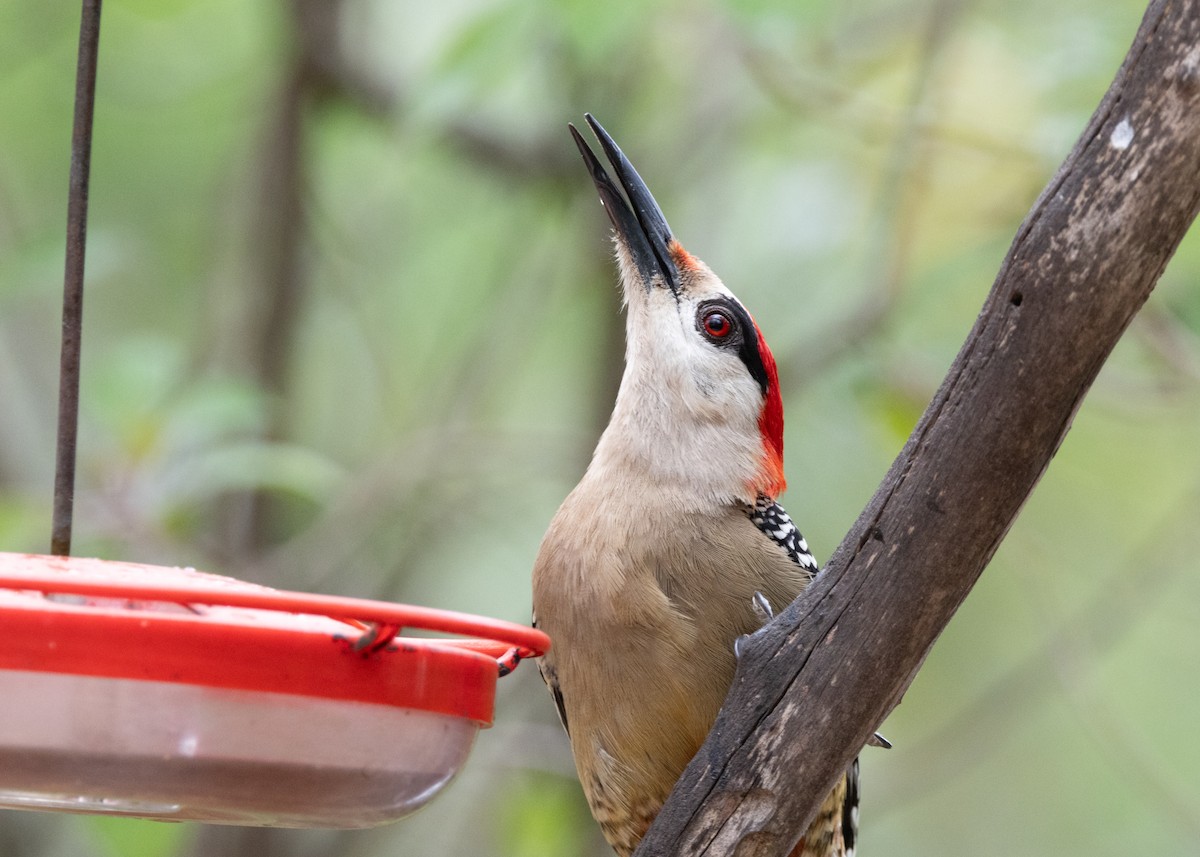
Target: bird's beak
<point>641,228</point>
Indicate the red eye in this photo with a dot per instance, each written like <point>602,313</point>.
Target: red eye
<point>717,325</point>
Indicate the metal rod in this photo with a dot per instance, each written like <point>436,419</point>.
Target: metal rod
<point>72,318</point>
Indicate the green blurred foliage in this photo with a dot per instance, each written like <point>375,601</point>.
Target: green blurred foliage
<point>855,171</point>
<point>119,837</point>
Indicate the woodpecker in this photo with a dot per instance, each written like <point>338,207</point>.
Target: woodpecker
<point>652,568</point>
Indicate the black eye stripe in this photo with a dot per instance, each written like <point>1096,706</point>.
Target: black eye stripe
<point>744,336</point>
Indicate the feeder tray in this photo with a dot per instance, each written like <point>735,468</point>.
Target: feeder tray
<point>171,694</point>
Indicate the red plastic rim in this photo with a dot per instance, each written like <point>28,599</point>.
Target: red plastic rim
<point>124,620</point>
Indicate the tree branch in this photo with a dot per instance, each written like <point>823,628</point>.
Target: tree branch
<point>814,684</point>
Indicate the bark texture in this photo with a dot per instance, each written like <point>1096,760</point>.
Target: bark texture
<point>816,682</point>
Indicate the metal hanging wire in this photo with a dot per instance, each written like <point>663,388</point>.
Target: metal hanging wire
<point>72,318</point>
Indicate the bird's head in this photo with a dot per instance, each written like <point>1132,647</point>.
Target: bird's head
<point>699,406</point>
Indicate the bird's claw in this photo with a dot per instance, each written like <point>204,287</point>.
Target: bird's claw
<point>763,610</point>
<point>737,645</point>
<point>762,607</point>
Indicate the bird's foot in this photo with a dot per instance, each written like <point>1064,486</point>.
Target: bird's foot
<point>762,609</point>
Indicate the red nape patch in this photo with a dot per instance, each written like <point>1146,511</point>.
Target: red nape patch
<point>682,258</point>
<point>770,424</point>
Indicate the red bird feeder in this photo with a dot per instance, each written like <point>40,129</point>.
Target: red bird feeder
<point>176,695</point>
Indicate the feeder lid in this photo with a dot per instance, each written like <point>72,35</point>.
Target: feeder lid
<point>169,693</point>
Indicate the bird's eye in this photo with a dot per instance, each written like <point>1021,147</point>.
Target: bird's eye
<point>717,324</point>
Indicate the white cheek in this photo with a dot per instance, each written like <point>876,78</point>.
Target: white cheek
<point>720,382</point>
<point>711,384</point>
